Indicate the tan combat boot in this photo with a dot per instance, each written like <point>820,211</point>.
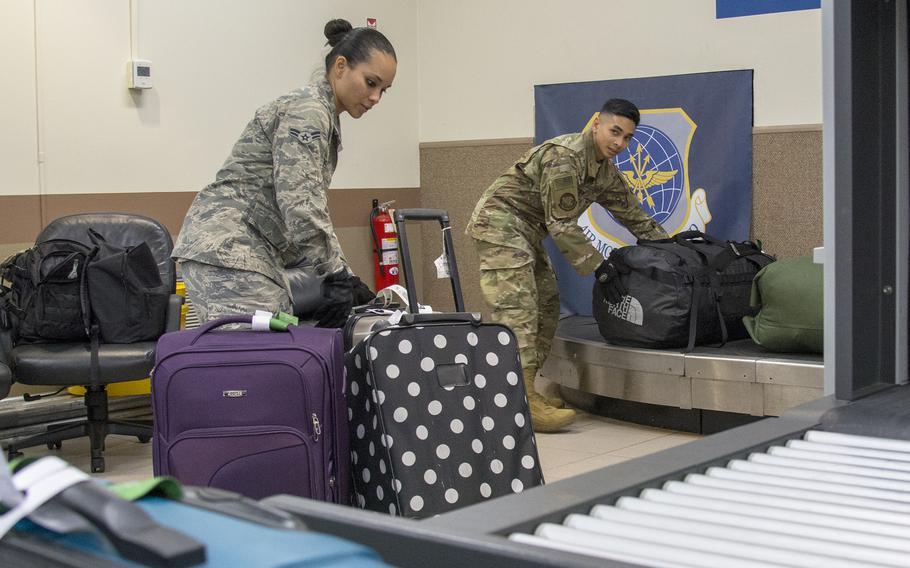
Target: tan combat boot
<point>544,416</point>
<point>552,395</point>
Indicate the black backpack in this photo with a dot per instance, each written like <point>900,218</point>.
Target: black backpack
<point>47,298</point>
<point>62,290</point>
<point>690,289</point>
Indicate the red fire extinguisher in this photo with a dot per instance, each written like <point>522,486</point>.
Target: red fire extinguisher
<point>385,245</point>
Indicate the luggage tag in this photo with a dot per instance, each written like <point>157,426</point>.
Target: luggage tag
<point>282,320</point>
<point>395,318</point>
<point>442,263</point>
<point>267,321</point>
<point>261,320</point>
<point>442,267</point>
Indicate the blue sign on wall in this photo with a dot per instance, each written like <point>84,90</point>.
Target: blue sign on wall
<point>736,8</point>
<point>689,164</point>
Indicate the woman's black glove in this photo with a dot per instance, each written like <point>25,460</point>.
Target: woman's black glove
<point>338,300</point>
<point>362,293</point>
<point>608,276</point>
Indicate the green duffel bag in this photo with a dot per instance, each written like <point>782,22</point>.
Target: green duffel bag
<point>789,295</point>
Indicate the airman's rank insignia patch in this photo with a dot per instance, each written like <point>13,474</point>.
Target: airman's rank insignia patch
<point>564,194</point>
<point>305,137</point>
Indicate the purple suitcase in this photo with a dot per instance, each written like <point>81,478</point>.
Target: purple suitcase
<point>256,412</point>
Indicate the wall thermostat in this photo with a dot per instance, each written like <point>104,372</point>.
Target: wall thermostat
<point>140,74</point>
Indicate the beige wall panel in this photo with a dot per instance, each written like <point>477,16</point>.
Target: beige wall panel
<point>786,199</point>
<point>453,178</point>
<point>18,135</point>
<point>787,195</point>
<point>481,86</point>
<point>21,218</point>
<point>6,250</point>
<point>349,208</point>
<point>358,249</point>
<point>168,209</point>
<point>26,215</point>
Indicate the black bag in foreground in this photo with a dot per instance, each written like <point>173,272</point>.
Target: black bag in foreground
<point>687,290</point>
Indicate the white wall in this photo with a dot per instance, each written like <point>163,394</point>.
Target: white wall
<point>466,71</point>
<point>479,60</point>
<point>214,63</point>
<point>18,135</point>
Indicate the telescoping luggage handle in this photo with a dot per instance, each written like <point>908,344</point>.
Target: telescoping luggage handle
<point>402,215</point>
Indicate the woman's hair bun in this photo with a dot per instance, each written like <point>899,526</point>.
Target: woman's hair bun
<point>335,30</point>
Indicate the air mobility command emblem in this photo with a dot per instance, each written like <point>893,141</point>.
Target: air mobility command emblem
<point>655,167</point>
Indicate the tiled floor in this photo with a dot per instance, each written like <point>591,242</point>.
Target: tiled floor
<point>594,442</point>
<point>591,443</point>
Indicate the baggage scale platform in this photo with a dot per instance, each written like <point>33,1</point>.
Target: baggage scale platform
<point>739,377</point>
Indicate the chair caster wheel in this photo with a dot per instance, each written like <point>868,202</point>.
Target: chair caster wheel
<point>97,465</point>
<point>55,445</point>
<point>144,439</point>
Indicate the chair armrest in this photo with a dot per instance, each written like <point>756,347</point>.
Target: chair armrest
<point>174,304</point>
<point>6,380</point>
<point>6,374</point>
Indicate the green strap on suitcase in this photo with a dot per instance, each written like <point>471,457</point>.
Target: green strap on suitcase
<point>790,296</point>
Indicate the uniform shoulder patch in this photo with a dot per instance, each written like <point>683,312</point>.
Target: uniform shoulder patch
<point>306,136</point>
<point>564,195</point>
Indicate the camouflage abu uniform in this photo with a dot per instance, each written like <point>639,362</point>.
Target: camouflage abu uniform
<point>266,208</point>
<point>544,193</point>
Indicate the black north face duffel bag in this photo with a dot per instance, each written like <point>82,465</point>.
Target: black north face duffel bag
<point>687,290</point>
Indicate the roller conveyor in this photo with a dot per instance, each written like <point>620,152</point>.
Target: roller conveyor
<point>826,484</point>
<point>756,520</point>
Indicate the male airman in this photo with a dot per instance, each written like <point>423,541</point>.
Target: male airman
<point>543,194</point>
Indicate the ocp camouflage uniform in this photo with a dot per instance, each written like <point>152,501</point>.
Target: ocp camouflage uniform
<point>268,207</point>
<point>544,193</point>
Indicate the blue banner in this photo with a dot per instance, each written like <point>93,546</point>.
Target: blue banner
<point>736,8</point>
<point>690,162</point>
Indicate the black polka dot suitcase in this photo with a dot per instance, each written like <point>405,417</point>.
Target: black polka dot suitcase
<point>438,412</point>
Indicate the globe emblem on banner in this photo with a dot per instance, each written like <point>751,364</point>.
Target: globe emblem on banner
<point>653,169</point>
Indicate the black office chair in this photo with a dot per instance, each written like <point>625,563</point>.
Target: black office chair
<point>69,364</point>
